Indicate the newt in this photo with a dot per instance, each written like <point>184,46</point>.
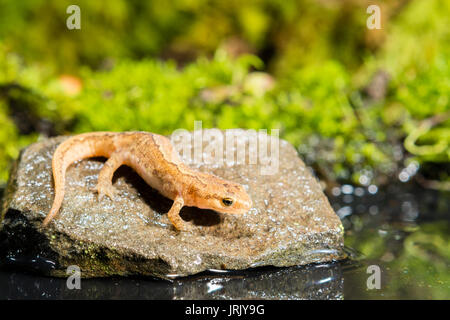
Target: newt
<point>153,157</point>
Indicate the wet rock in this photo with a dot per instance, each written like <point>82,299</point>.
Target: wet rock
<point>291,222</point>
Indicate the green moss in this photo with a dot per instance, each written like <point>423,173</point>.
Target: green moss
<point>317,100</point>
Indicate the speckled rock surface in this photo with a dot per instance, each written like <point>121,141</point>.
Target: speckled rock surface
<point>291,222</point>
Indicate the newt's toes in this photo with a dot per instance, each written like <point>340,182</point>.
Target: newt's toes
<point>108,191</point>
<point>183,228</point>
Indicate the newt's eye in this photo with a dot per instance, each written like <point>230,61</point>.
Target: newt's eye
<point>227,201</point>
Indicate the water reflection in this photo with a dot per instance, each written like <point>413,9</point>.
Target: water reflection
<point>309,282</point>
<point>403,229</point>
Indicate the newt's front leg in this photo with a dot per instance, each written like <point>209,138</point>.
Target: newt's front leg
<point>174,214</point>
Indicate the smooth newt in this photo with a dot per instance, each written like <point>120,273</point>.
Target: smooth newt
<point>153,157</point>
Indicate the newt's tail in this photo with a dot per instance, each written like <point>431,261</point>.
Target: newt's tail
<point>87,145</point>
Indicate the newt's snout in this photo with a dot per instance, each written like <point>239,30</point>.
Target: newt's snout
<point>243,204</point>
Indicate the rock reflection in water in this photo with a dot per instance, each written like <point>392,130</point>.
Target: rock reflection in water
<point>308,282</point>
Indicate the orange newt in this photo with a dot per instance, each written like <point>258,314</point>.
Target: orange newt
<point>153,157</point>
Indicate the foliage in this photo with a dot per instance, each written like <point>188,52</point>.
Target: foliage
<point>312,64</point>
<point>292,32</point>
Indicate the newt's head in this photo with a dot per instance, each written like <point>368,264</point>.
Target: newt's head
<point>232,199</point>
<point>223,196</point>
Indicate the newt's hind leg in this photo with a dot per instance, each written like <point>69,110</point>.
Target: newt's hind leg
<point>104,184</point>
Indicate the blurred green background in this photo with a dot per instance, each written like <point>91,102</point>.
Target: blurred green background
<point>360,105</point>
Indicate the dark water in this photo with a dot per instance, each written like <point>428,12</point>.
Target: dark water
<point>402,231</point>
